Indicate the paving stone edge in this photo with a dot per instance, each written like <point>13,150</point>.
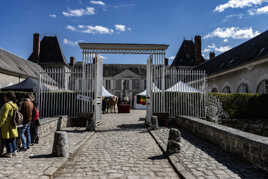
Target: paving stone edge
<point>172,159</point>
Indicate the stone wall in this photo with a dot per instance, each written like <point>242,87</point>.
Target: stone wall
<point>250,147</point>
<point>49,125</point>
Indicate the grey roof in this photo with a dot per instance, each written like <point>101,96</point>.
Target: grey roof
<point>110,70</point>
<point>50,52</point>
<point>253,50</point>
<point>185,55</point>
<point>10,63</point>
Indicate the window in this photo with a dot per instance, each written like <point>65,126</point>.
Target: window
<point>243,88</point>
<point>263,87</point>
<point>214,90</point>
<point>108,84</point>
<point>136,84</point>
<point>226,89</point>
<point>118,85</point>
<point>126,84</point>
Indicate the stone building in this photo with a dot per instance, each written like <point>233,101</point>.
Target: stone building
<point>14,69</point>
<point>241,69</point>
<point>48,54</point>
<point>116,76</point>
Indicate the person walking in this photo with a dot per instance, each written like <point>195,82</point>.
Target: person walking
<point>27,112</point>
<point>35,124</point>
<point>9,132</point>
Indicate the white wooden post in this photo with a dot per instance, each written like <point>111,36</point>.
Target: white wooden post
<point>149,91</point>
<point>98,83</point>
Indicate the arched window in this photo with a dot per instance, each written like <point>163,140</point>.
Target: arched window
<point>263,87</point>
<point>243,88</point>
<point>214,90</point>
<point>226,89</point>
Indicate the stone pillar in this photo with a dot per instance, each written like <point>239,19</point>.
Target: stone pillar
<point>59,124</point>
<point>174,140</point>
<point>154,124</point>
<point>61,144</point>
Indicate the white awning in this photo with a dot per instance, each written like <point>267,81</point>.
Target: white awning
<point>154,89</point>
<point>182,87</point>
<point>106,93</point>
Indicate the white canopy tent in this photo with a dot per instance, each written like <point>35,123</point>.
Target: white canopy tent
<point>144,93</point>
<point>182,87</point>
<point>106,93</point>
<point>154,89</point>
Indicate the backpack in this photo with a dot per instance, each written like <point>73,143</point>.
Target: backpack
<point>17,118</point>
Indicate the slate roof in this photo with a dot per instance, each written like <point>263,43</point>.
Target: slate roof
<point>253,50</point>
<point>50,52</point>
<point>110,70</point>
<point>10,63</point>
<point>186,55</point>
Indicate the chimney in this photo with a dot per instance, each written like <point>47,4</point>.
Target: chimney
<point>166,61</point>
<point>36,46</point>
<point>211,55</point>
<point>197,49</point>
<point>72,61</point>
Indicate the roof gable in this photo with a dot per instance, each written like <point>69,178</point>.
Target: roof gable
<point>186,55</point>
<point>50,52</point>
<point>127,74</point>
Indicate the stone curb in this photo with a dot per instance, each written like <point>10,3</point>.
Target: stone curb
<point>180,170</point>
<point>50,171</point>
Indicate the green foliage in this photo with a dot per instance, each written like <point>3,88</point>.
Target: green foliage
<point>244,105</point>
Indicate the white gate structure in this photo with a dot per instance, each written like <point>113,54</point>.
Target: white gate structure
<point>177,91</point>
<point>71,91</point>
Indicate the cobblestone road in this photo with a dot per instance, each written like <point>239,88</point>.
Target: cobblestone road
<point>121,148</point>
<point>207,161</point>
<point>38,161</point>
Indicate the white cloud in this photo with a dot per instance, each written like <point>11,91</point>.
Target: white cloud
<point>120,27</point>
<point>261,10</point>
<point>225,40</point>
<point>233,32</point>
<point>70,27</point>
<point>238,4</point>
<point>171,57</point>
<point>79,12</point>
<point>97,30</point>
<point>213,47</point>
<point>98,3</point>
<point>69,42</point>
<point>52,15</point>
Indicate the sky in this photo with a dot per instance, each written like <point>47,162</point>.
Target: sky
<point>223,24</point>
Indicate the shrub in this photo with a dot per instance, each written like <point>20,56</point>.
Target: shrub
<point>244,105</point>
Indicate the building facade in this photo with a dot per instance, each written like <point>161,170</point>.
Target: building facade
<point>243,69</point>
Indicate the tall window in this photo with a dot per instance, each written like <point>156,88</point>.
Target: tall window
<point>136,84</point>
<point>127,84</point>
<point>226,89</point>
<point>263,87</point>
<point>243,88</point>
<point>118,84</point>
<point>108,84</point>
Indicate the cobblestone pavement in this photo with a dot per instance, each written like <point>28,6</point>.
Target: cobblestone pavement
<point>121,148</point>
<point>205,160</point>
<point>38,161</point>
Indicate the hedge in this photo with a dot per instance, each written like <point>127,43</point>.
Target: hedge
<point>244,105</point>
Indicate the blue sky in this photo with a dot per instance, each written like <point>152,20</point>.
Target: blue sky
<point>222,24</point>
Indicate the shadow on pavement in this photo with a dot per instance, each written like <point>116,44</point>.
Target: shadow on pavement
<point>159,157</point>
<point>241,167</point>
<point>132,126</point>
<point>42,156</point>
